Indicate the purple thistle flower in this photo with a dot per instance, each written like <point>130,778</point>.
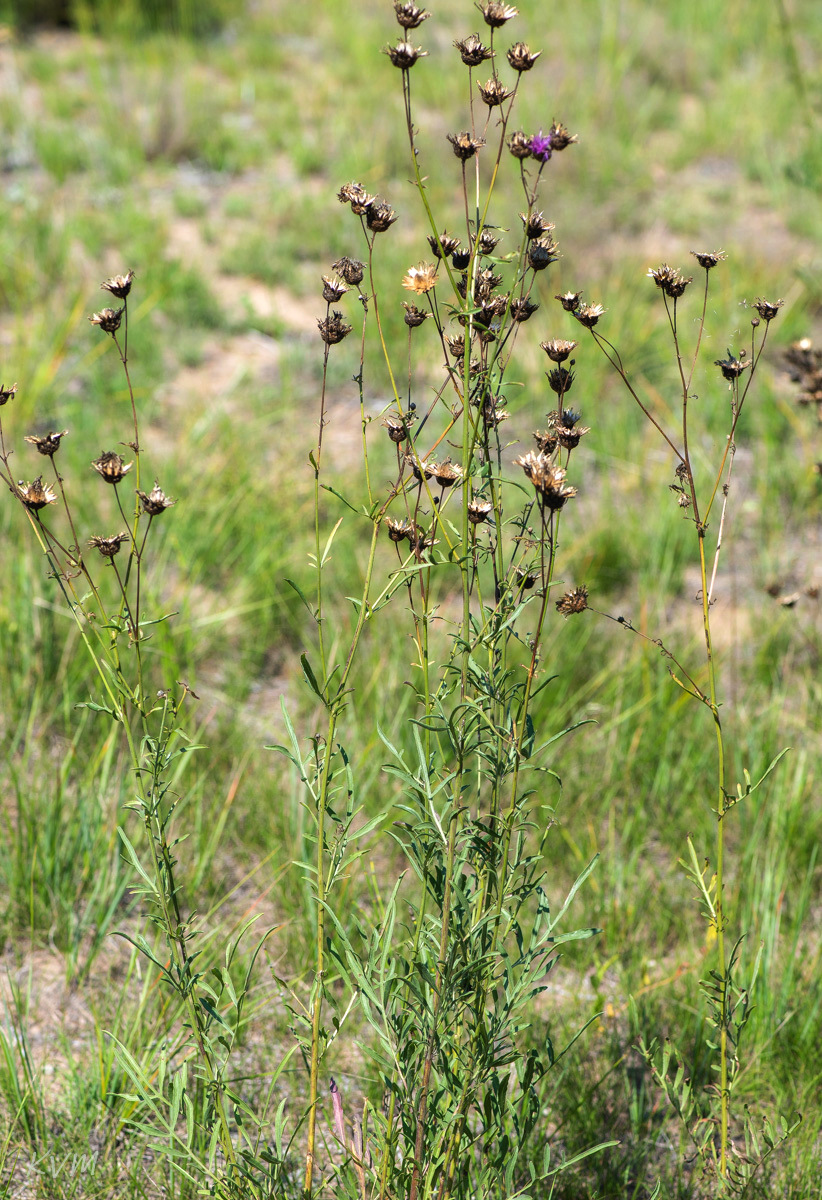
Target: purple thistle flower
<point>541,147</point>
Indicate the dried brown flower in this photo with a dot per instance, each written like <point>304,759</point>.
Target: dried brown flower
<point>119,285</point>
<point>444,245</point>
<point>461,259</point>
<point>379,216</point>
<point>414,316</point>
<point>108,319</point>
<point>548,480</point>
<point>333,289</point>
<point>456,345</point>
<point>560,137</point>
<point>487,242</point>
<point>111,467</point>
<point>519,144</point>
<point>419,468</point>
<point>541,253</point>
<point>535,225</point>
<point>496,14</point>
<point>732,367</point>
<point>355,195</point>
<point>446,473</point>
<point>108,546</point>
<point>522,309</point>
<point>707,261</point>
<point>36,495</point>
<point>561,380</point>
<point>465,146</point>
<point>7,392</point>
<point>493,414</point>
<point>397,426</point>
<point>526,579</point>
<point>49,444</point>
<point>472,51</point>
<point>349,269</point>
<point>767,309</point>
<point>494,92</point>
<point>558,350</point>
<point>546,440</point>
<point>156,501</point>
<point>569,301</point>
<point>420,279</point>
<point>334,328</point>
<point>589,314</point>
<point>479,511</point>
<point>573,602</point>
<point>404,54</point>
<point>399,530</point>
<point>520,57</point>
<point>670,280</point>
<point>409,15</point>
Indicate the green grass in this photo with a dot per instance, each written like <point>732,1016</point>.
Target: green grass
<point>691,136</point>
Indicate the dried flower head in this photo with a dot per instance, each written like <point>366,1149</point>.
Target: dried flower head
<point>111,467</point>
<point>732,367</point>
<point>349,269</point>
<point>444,245</point>
<point>156,501</point>
<point>49,444</point>
<point>380,216</point>
<point>519,144</point>
<point>461,259</point>
<point>560,137</point>
<point>472,51</point>
<point>404,54</point>
<point>706,260</point>
<point>355,195</point>
<point>567,427</point>
<point>36,495</point>
<point>558,350</point>
<point>487,243</point>
<point>541,253</point>
<point>496,14</point>
<point>522,309</point>
<point>526,579</point>
<point>493,413</point>
<point>670,280</point>
<point>455,345</point>
<point>535,225</point>
<point>520,57</point>
<point>333,289</point>
<point>7,392</point>
<point>398,531</point>
<point>589,314</point>
<point>420,279</point>
<point>414,316</point>
<point>548,480</point>
<point>446,473</point>
<point>419,469</point>
<point>573,602</point>
<point>767,309</point>
<point>397,426</point>
<point>119,285</point>
<point>479,511</point>
<point>108,546</point>
<point>409,15</point>
<point>108,319</point>
<point>561,380</point>
<point>541,147</point>
<point>569,301</point>
<point>465,146</point>
<point>494,92</point>
<point>334,328</point>
<point>547,440</point>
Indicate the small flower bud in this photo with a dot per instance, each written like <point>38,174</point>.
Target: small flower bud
<point>541,147</point>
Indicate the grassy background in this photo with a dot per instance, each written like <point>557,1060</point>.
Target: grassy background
<point>210,166</point>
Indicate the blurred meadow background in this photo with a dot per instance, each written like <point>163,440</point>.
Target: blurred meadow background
<point>202,145</point>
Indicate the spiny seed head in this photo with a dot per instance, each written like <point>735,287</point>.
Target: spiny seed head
<point>569,301</point>
<point>548,479</point>
<point>333,329</point>
<point>546,440</point>
<point>494,92</point>
<point>108,546</point>
<point>461,259</point>
<point>404,54</point>
<point>408,15</point>
<point>36,495</point>
<point>444,245</point>
<point>108,319</point>
<point>670,280</point>
<point>541,253</point>
<point>708,261</point>
<point>732,367</point>
<point>767,309</point>
<point>487,242</point>
<point>472,51</point>
<point>541,147</point>
<point>589,314</point>
<point>496,14</point>
<point>333,289</point>
<point>447,473</point>
<point>7,392</point>
<point>558,350</point>
<point>48,444</point>
<point>414,316</point>
<point>111,467</point>
<point>465,146</point>
<point>560,137</point>
<point>119,285</point>
<point>398,531</point>
<point>561,380</point>
<point>520,57</point>
<point>522,309</point>
<point>379,216</point>
<point>519,144</point>
<point>156,501</point>
<point>479,511</point>
<point>573,602</point>
<point>420,279</point>
<point>535,225</point>
<point>349,269</point>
